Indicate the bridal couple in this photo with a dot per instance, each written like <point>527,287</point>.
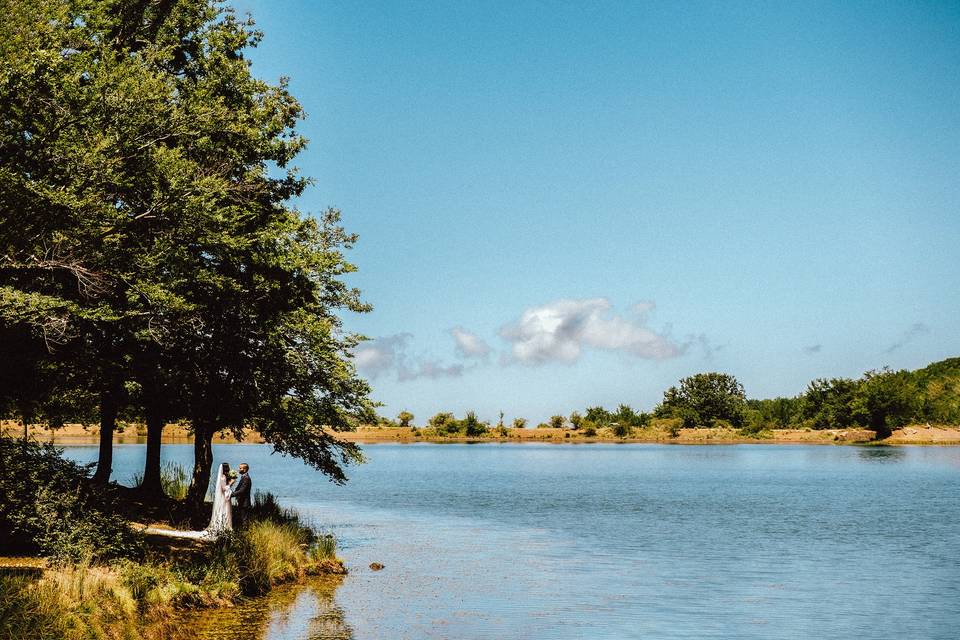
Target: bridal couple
<point>229,486</point>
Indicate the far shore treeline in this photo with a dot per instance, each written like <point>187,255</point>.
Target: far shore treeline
<point>880,400</point>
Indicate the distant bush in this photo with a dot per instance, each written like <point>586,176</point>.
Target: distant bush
<point>621,429</point>
<point>519,423</point>
<point>444,423</point>
<point>472,426</point>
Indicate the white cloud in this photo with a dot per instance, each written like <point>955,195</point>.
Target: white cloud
<point>560,330</point>
<point>381,355</point>
<point>388,355</point>
<point>429,369</point>
<point>469,344</point>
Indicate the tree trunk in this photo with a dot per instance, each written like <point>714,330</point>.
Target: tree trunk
<point>109,408</point>
<point>151,470</point>
<point>202,464</point>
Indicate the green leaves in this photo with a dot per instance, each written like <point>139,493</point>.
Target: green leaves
<point>705,398</point>
<point>146,222</point>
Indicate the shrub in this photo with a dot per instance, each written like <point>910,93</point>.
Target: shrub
<point>673,428</point>
<point>557,422</point>
<point>621,429</point>
<point>266,508</point>
<point>519,423</point>
<point>405,418</point>
<point>444,423</point>
<point>49,507</point>
<point>472,426</point>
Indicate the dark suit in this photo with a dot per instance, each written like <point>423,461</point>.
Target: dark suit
<point>242,494</point>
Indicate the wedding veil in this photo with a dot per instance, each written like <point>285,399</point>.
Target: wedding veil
<point>220,519</point>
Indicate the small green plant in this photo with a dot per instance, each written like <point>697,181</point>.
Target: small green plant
<point>519,423</point>
<point>174,480</point>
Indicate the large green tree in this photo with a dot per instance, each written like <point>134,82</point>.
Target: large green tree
<point>703,399</point>
<point>147,223</point>
<point>828,404</point>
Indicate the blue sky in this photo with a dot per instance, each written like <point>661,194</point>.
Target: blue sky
<point>568,203</point>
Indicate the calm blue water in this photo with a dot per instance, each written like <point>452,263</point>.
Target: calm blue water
<point>631,541</point>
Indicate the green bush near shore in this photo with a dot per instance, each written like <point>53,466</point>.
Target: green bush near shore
<point>50,508</point>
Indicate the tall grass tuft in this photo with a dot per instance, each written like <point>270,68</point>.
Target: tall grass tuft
<point>28,610</point>
<point>275,553</point>
<point>173,478</point>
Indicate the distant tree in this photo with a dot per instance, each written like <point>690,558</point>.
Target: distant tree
<point>473,427</point>
<point>576,420</point>
<point>405,418</point>
<point>939,384</point>
<point>557,422</point>
<point>777,412</point>
<point>444,422</point>
<point>626,415</point>
<point>886,400</point>
<point>519,423</point>
<point>599,416</point>
<point>703,399</point>
<point>828,404</point>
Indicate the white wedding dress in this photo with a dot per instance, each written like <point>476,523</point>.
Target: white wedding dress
<point>220,520</point>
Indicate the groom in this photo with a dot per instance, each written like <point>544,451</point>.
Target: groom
<point>242,493</point>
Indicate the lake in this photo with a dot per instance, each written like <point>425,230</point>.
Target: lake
<point>613,541</point>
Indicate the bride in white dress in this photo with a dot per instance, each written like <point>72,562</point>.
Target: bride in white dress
<point>221,519</point>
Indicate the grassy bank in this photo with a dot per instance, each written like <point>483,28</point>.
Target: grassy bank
<point>126,599</point>
<point>86,569</point>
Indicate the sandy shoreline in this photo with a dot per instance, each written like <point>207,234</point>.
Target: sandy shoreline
<point>180,434</point>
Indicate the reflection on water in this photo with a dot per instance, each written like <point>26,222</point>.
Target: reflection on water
<point>291,612</point>
<point>882,453</point>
